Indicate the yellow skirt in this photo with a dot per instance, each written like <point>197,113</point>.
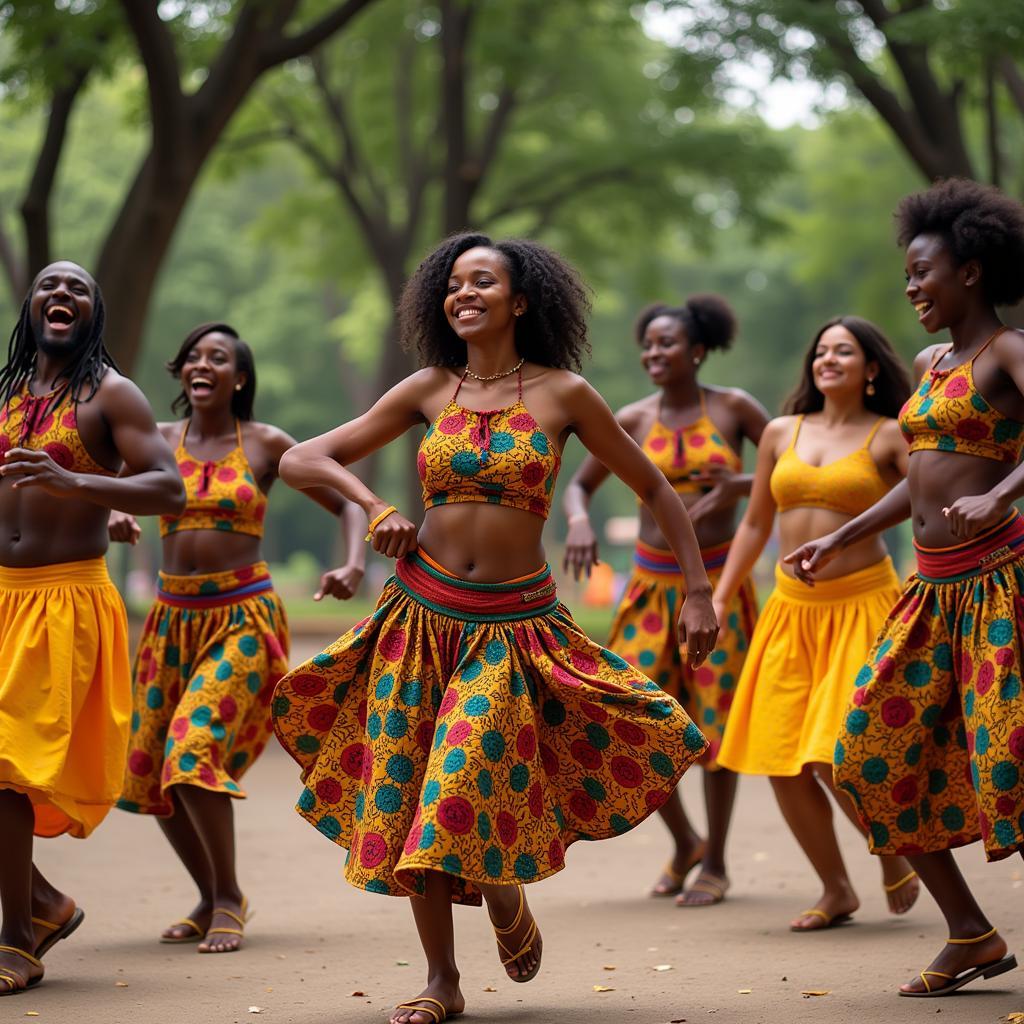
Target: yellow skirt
<point>807,648</point>
<point>65,692</point>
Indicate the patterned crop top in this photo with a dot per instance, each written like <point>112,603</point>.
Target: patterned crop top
<point>499,456</point>
<point>25,423</point>
<point>849,484</point>
<point>686,453</point>
<point>220,494</point>
<point>946,413</point>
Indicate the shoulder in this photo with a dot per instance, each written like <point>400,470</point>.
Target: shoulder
<point>924,359</point>
<point>889,433</point>
<point>119,394</point>
<point>735,399</point>
<point>267,434</point>
<point>426,383</point>
<point>171,430</point>
<point>1009,344</point>
<point>637,413</point>
<point>779,429</point>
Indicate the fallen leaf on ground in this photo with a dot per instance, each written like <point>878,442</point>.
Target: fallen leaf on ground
<point>677,1020</point>
<point>603,988</point>
<point>31,1013</point>
<point>281,956</point>
<point>255,1009</point>
<point>609,967</point>
<point>401,963</point>
<point>120,984</point>
<point>808,992</point>
<point>663,967</point>
<point>489,988</point>
<point>269,990</point>
<point>1017,1017</point>
<point>744,991</point>
<point>357,993</point>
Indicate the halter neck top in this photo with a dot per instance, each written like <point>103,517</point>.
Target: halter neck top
<point>26,422</point>
<point>684,454</point>
<point>220,494</point>
<point>946,413</point>
<point>500,456</point>
<point>849,484</point>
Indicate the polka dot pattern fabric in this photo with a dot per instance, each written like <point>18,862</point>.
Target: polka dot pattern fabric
<point>644,634</point>
<point>212,650</point>
<point>429,742</point>
<point>932,748</point>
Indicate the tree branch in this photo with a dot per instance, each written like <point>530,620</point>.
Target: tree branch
<point>289,47</point>
<point>496,128</point>
<point>14,270</point>
<point>1014,81</point>
<point>548,202</point>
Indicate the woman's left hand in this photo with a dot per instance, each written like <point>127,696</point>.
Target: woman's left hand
<point>698,628</point>
<point>31,468</point>
<point>340,583</point>
<point>722,497</point>
<point>969,516</point>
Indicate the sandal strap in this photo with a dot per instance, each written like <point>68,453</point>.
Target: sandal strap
<point>440,1014</point>
<point>224,931</point>
<point>239,918</point>
<point>924,975</point>
<point>902,882</point>
<point>49,925</point>
<point>714,885</point>
<point>518,920</point>
<point>20,952</point>
<point>191,924</point>
<point>815,912</point>
<point>531,935</point>
<point>970,942</point>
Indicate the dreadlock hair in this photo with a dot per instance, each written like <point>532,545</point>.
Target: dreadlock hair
<point>552,331</point>
<point>243,399</point>
<point>81,376</point>
<point>707,319</point>
<point>892,385</point>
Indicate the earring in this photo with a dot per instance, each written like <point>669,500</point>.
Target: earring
<point>870,389</point>
<point>696,361</point>
<point>238,387</point>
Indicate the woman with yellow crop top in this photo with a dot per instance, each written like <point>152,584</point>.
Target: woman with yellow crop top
<point>694,435</point>
<point>459,739</point>
<point>932,749</point>
<point>215,642</point>
<point>836,452</point>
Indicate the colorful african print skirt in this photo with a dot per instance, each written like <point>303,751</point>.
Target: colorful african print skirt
<point>212,650</point>
<point>65,700</point>
<point>795,686</point>
<point>932,750</point>
<point>644,633</point>
<point>473,729</point>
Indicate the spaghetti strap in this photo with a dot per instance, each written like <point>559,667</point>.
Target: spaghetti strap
<point>462,380</point>
<point>184,433</point>
<point>999,330</point>
<point>238,434</point>
<point>519,374</point>
<point>874,430</point>
<point>796,432</point>
<point>703,403</point>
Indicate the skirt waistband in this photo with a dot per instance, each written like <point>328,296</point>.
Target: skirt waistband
<point>989,550</point>
<point>213,589</point>
<point>89,572</point>
<point>663,563</point>
<point>842,588</point>
<point>432,585</point>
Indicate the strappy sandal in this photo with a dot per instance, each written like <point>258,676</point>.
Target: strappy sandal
<point>57,931</point>
<point>239,919</point>
<point>895,887</point>
<point>197,933</point>
<point>439,1015</point>
<point>830,922</point>
<point>678,878</point>
<point>508,957</point>
<point>965,977</point>
<point>17,983</point>
<point>716,886</point>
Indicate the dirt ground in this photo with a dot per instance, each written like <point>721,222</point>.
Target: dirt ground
<point>320,952</point>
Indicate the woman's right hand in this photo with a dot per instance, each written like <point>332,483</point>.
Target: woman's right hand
<point>123,528</point>
<point>580,547</point>
<point>394,536</point>
<point>812,557</point>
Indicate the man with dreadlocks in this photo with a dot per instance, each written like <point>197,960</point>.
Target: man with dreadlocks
<point>69,423</point>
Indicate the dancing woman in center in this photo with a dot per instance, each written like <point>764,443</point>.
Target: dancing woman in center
<point>837,451</point>
<point>459,739</point>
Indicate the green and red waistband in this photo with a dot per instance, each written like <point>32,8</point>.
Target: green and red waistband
<point>430,584</point>
<point>663,563</point>
<point>989,550</point>
<point>214,589</point>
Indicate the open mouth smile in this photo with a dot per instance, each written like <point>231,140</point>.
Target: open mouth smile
<point>200,385</point>
<point>469,313</point>
<point>59,316</point>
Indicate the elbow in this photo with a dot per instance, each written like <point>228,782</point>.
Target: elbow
<point>176,497</point>
<point>290,468</point>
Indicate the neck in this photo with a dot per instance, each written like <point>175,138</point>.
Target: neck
<point>974,328</point>
<point>681,394</point>
<point>212,422</point>
<point>492,357</point>
<point>48,369</point>
<point>840,409</point>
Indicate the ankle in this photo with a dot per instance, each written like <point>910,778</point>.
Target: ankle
<point>227,897</point>
<point>18,937</point>
<point>443,977</point>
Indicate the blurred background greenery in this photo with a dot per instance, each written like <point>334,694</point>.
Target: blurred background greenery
<point>283,165</point>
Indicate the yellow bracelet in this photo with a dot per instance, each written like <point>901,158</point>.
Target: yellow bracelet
<point>378,520</point>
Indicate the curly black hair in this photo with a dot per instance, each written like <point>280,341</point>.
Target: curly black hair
<point>892,385</point>
<point>708,320</point>
<point>242,400</point>
<point>552,331</point>
<point>979,223</point>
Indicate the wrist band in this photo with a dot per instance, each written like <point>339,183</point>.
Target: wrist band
<point>378,520</point>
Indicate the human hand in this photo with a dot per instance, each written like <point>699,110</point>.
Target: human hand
<point>972,515</point>
<point>810,558</point>
<point>28,467</point>
<point>123,528</point>
<point>698,627</point>
<point>580,547</point>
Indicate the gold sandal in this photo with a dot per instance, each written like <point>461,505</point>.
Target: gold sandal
<point>896,886</point>
<point>830,922</point>
<point>678,878</point>
<point>532,933</point>
<point>197,933</point>
<point>240,919</point>
<point>15,982</point>
<point>439,1015</point>
<point>57,931</point>
<point>966,976</point>
<point>716,886</point>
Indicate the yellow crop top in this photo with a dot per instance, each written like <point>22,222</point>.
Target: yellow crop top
<point>849,484</point>
<point>221,494</point>
<point>686,453</point>
<point>499,456</point>
<point>946,413</point>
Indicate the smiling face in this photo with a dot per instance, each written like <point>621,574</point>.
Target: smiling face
<point>61,308</point>
<point>940,291</point>
<point>839,365</point>
<point>210,375</point>
<point>480,300</point>
<point>666,353</point>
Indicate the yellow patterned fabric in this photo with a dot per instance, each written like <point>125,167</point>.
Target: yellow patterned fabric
<point>932,749</point>
<point>807,646</point>
<point>65,698</point>
<point>474,729</point>
<point>212,650</point>
<point>644,633</point>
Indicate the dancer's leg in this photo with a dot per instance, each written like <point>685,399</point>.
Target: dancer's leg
<point>16,823</point>
<point>188,844</point>
<point>504,903</point>
<point>688,850</point>
<point>713,880</point>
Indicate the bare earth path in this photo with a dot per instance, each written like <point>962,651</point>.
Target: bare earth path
<point>319,951</point>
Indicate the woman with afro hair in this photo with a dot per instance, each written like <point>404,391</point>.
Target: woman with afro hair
<point>466,733</point>
<point>932,749</point>
<point>694,434</point>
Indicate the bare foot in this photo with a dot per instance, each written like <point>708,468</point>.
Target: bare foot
<point>707,890</point>
<point>833,908</point>
<point>441,990</point>
<point>899,880</point>
<point>955,959</point>
<point>519,942</point>
<point>227,925</point>
<point>673,876</point>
